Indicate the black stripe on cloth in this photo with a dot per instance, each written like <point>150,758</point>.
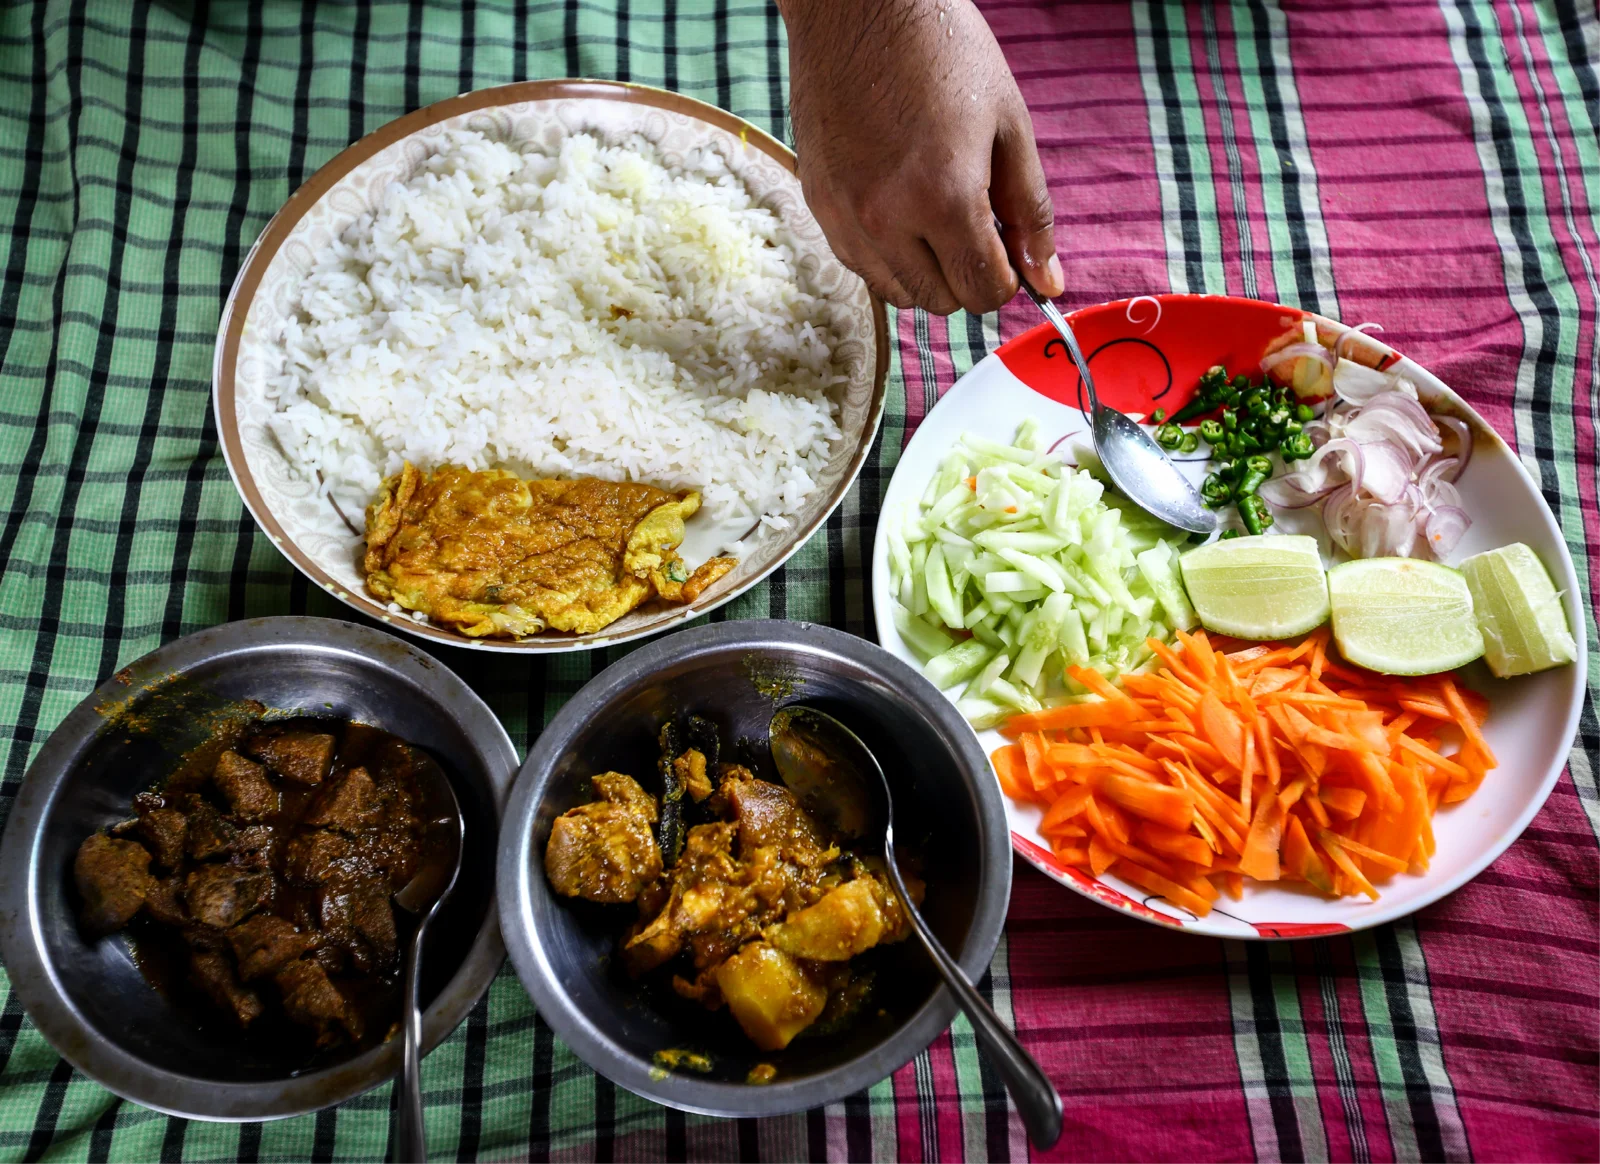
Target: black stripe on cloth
<point>857,1127</point>
<point>775,99</point>
<point>996,1115</point>
<point>669,44</point>
<point>1230,150</point>
<point>10,1024</point>
<point>249,1143</point>
<point>870,486</point>
<point>719,24</point>
<point>1339,1050</point>
<point>1305,288</point>
<point>837,613</point>
<point>1476,38</point>
<point>1403,1022</point>
<point>105,1129</point>
<point>44,1123</point>
<point>413,96</point>
<point>172,276</point>
<point>358,70</point>
<point>605,1120</point>
<point>1178,141</point>
<point>1269,1043</point>
<point>623,70</point>
<point>469,24</point>
<point>543,1080</point>
<point>302,95</point>
<point>22,495</point>
<point>324,1136</point>
<point>474,1053</point>
<point>44,643</point>
<point>677,1135</point>
<point>206,451</point>
<point>172,1139</point>
<point>569,35</point>
<point>817,1136</point>
<point>749,1143</point>
<point>1579,53</point>
<point>27,198</point>
<point>519,32</point>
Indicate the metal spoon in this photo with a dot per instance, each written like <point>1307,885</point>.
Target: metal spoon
<point>438,863</point>
<point>835,777</point>
<point>1135,463</point>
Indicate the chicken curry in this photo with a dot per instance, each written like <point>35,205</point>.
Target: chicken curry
<point>492,555</point>
<point>747,901</point>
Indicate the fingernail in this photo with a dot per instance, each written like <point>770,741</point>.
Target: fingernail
<point>1052,270</point>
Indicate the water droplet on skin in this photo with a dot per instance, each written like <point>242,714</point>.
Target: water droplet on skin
<point>949,32</point>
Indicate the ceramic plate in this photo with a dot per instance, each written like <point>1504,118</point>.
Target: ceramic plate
<point>314,533</point>
<point>1148,353</point>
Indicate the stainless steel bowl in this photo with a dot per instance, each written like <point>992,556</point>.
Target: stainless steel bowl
<point>738,673</point>
<point>89,999</point>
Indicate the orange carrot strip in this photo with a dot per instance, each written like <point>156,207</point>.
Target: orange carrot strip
<point>1260,856</point>
<point>1465,720</point>
<point>1174,843</point>
<point>1165,887</point>
<point>1066,807</point>
<point>1174,664</point>
<point>1345,802</point>
<point>1008,766</point>
<point>1143,797</point>
<point>1222,728</point>
<point>1331,845</point>
<point>1070,716</point>
<point>1428,756</point>
<point>1098,684</point>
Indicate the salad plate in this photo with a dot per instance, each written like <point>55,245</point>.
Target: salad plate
<point>1148,354</point>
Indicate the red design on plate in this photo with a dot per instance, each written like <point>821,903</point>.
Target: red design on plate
<point>1144,358</point>
<point>1095,888</point>
<point>1298,929</point>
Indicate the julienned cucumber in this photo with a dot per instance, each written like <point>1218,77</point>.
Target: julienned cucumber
<point>1013,567</point>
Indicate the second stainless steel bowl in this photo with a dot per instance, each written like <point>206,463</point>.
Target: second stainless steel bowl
<point>738,674</point>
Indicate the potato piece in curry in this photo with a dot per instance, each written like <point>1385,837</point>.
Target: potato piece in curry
<point>493,555</point>
<point>761,912</point>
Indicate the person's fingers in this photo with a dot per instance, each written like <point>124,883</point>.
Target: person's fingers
<point>855,250</point>
<point>1021,201</point>
<point>917,268</point>
<point>972,257</point>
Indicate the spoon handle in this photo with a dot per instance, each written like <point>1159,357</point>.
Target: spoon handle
<point>411,1140</point>
<point>1064,329</point>
<point>1031,1090</point>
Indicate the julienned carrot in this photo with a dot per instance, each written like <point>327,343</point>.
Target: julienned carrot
<point>1276,762</point>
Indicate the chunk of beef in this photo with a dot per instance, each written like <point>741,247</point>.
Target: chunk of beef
<point>299,757</point>
<point>605,851</point>
<point>349,806</point>
<point>114,878</point>
<point>255,847</point>
<point>769,815</point>
<point>210,833</point>
<point>213,974</point>
<point>164,829</point>
<point>357,916</point>
<point>319,856</point>
<point>164,903</point>
<point>311,999</point>
<point>244,783</point>
<point>265,944</point>
<point>223,896</point>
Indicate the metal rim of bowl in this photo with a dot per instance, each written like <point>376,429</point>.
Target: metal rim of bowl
<point>236,309</point>
<point>186,1096</point>
<point>703,1097</point>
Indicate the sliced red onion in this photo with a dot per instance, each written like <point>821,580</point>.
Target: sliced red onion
<point>1297,351</point>
<point>1444,529</point>
<point>1388,531</point>
<point>1386,471</point>
<point>1463,434</point>
<point>1291,492</point>
<point>1357,384</point>
<point>1338,345</point>
<point>1317,430</point>
<point>1338,514</point>
<point>1378,422</point>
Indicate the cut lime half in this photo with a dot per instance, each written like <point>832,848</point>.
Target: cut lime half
<point>1264,587</point>
<point>1519,611</point>
<point>1398,616</point>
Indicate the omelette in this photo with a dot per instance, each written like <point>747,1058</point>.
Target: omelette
<point>495,556</point>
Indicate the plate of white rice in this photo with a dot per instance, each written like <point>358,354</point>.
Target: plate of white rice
<point>563,279</point>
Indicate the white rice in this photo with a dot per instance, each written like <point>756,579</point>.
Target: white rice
<point>482,317</point>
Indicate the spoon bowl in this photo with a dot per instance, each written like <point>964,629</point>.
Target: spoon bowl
<point>837,779</point>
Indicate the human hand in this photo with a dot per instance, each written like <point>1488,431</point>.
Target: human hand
<point>912,140</point>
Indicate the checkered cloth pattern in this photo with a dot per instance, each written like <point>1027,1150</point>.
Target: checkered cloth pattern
<point>1430,164</point>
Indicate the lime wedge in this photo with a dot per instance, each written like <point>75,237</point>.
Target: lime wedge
<point>1519,612</point>
<point>1403,617</point>
<point>1263,587</point>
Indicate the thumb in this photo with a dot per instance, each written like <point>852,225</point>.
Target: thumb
<point>1021,202</point>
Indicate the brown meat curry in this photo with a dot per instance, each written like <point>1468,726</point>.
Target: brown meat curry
<point>258,879</point>
<point>756,909</point>
<point>493,555</point>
